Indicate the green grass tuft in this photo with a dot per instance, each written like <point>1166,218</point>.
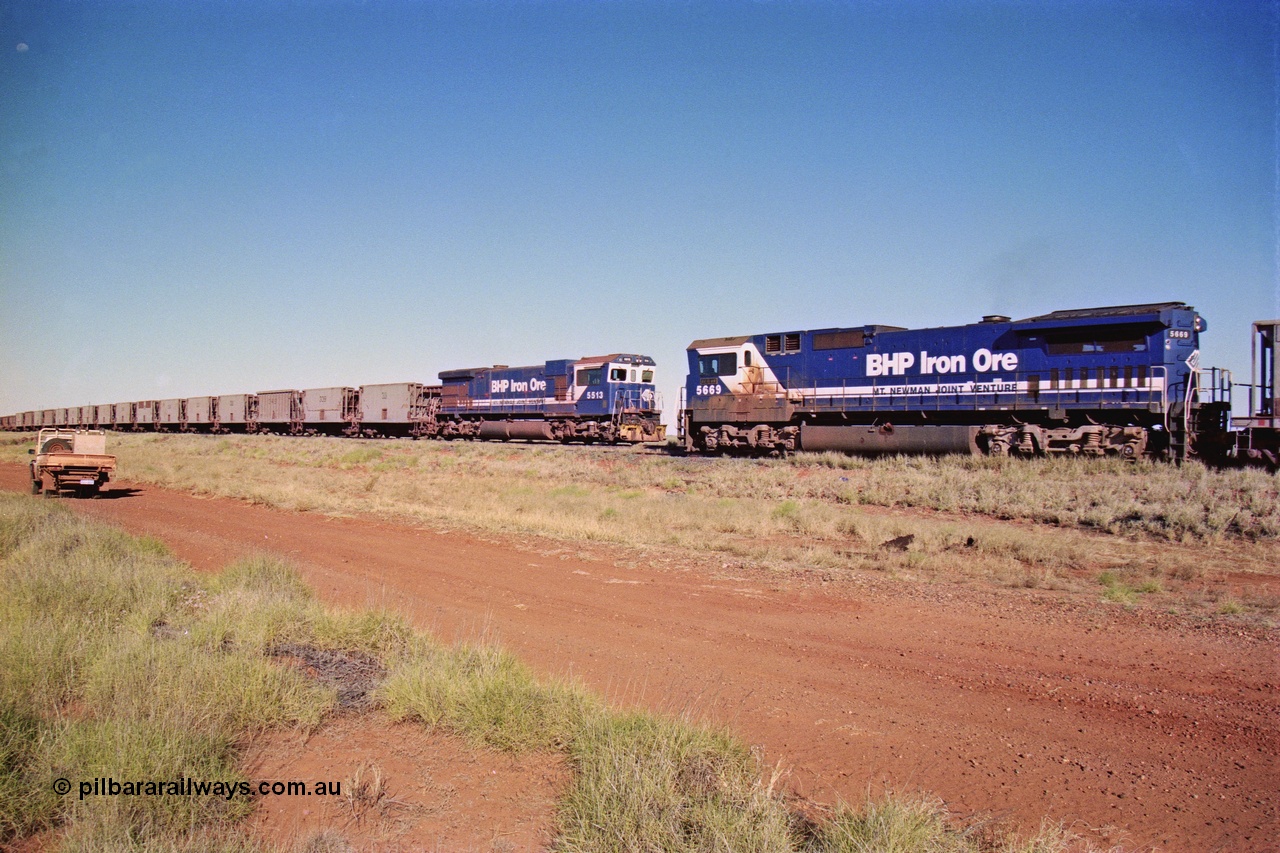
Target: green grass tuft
<point>643,783</point>
<point>486,695</point>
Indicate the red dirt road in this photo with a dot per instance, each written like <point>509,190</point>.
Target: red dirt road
<point>1133,727</point>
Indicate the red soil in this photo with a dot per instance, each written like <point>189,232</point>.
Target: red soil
<point>1135,727</point>
<point>404,788</point>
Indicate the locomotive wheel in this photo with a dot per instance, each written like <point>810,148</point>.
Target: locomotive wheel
<point>997,448</point>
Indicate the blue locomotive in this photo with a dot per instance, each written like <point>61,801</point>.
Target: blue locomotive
<point>607,399</point>
<point>1118,380</point>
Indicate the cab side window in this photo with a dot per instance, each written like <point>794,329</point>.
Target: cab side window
<point>719,364</point>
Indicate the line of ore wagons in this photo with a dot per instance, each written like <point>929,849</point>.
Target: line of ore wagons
<point>396,408</point>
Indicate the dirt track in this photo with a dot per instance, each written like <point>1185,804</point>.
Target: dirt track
<point>1139,729</point>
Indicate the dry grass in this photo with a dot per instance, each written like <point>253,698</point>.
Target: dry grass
<point>1017,523</point>
<point>120,663</point>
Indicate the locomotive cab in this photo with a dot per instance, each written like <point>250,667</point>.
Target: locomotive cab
<point>618,383</point>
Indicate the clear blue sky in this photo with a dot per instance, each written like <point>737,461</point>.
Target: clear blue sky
<point>221,197</point>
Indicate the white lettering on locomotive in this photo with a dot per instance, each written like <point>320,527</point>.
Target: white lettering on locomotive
<point>889,363</point>
<point>503,386</point>
<point>897,363</point>
<point>941,363</point>
<point>985,361</point>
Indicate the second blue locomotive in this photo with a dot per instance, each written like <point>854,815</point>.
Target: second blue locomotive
<point>1118,380</point>
<point>605,399</point>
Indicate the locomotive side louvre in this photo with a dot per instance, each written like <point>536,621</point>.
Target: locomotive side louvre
<point>1100,380</point>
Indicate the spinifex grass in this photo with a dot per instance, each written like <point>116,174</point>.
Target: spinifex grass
<point>96,689</point>
<point>121,663</point>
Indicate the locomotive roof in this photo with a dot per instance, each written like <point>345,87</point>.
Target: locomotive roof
<point>585,361</point>
<point>719,342</point>
<point>1111,311</point>
<point>735,340</point>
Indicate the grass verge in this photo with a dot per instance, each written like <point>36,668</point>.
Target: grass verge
<point>122,664</point>
<point>819,516</point>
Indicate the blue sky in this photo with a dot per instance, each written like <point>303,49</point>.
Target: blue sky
<point>224,197</point>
